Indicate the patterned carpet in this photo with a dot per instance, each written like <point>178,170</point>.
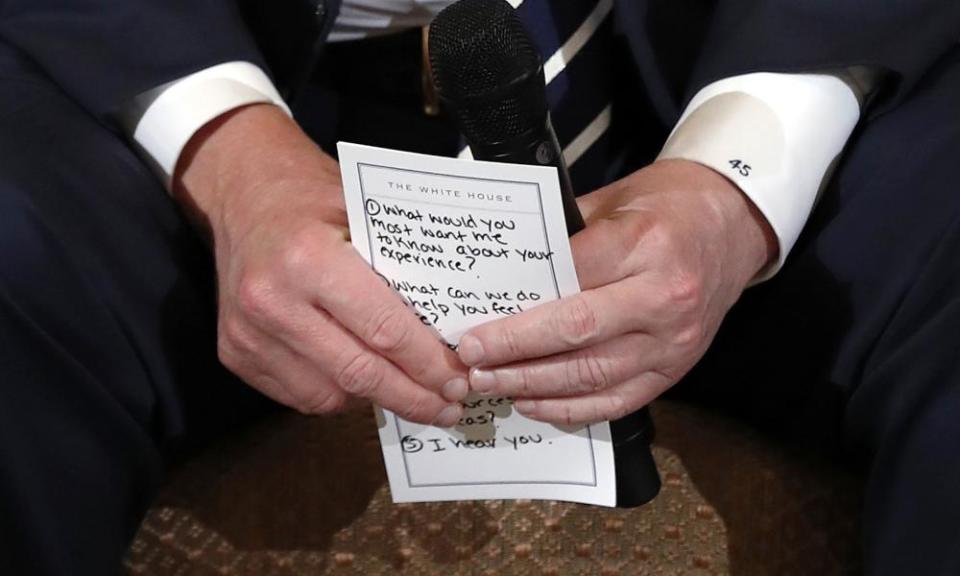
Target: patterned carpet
<point>297,496</point>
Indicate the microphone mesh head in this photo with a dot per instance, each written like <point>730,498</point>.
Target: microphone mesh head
<point>487,70</point>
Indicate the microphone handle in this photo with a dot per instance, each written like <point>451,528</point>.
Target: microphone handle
<point>638,480</point>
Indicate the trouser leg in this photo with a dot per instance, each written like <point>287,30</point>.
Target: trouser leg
<point>903,408</point>
<point>905,413</point>
<point>857,341</point>
<point>107,333</point>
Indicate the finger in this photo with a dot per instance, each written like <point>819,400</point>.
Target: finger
<point>361,301</point>
<point>596,202</point>
<point>280,373</point>
<point>609,404</point>
<point>564,325</point>
<point>360,371</point>
<point>574,373</point>
<point>588,204</point>
<point>298,384</point>
<point>270,365</point>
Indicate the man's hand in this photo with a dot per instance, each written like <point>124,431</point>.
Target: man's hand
<point>301,316</point>
<point>665,254</point>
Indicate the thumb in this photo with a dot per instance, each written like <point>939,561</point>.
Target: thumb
<point>588,205</point>
<point>596,254</point>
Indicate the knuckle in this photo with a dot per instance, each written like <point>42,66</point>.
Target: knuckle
<point>588,371</point>
<point>324,401</point>
<point>233,344</point>
<point>386,332</point>
<point>510,341</point>
<point>577,323</point>
<point>567,415</point>
<point>617,407</point>
<point>233,334</point>
<point>415,411</point>
<point>227,354</point>
<point>256,297</point>
<point>302,252</point>
<point>665,378</point>
<point>691,335</point>
<point>296,255</point>
<point>686,291</point>
<point>524,382</point>
<point>361,375</point>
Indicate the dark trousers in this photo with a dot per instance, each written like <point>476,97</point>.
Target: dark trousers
<point>107,332</point>
<point>855,345</point>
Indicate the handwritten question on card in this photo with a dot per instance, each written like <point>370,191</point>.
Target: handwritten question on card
<point>466,243</point>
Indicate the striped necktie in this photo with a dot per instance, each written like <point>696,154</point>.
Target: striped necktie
<point>575,39</point>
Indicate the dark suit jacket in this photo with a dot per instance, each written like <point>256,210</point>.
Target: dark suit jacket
<point>104,52</point>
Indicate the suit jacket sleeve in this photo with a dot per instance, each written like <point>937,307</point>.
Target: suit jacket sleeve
<point>104,52</point>
<point>902,38</point>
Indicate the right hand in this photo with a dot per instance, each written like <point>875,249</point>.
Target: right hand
<point>302,317</point>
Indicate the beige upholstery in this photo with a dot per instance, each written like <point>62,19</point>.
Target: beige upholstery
<point>296,496</point>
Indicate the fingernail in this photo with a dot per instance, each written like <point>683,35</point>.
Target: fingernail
<point>449,416</point>
<point>471,350</point>
<point>482,381</point>
<point>525,406</point>
<point>455,390</point>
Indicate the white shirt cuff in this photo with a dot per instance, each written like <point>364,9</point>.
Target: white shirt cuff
<point>173,113</point>
<point>776,136</point>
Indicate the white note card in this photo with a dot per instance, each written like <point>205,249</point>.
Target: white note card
<point>465,243</point>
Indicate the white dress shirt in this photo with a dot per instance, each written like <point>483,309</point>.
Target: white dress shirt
<point>776,136</point>
<point>364,18</point>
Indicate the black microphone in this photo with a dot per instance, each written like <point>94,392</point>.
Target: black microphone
<point>490,77</point>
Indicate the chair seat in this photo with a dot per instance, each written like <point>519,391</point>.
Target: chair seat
<point>296,495</point>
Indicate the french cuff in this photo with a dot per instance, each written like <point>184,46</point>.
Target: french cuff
<point>776,136</point>
<point>162,120</point>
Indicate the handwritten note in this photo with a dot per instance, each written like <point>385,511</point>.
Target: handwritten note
<point>465,243</point>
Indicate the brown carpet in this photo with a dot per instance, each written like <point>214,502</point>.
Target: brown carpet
<point>298,496</point>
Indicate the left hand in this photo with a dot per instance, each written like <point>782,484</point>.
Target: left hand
<point>665,254</point>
